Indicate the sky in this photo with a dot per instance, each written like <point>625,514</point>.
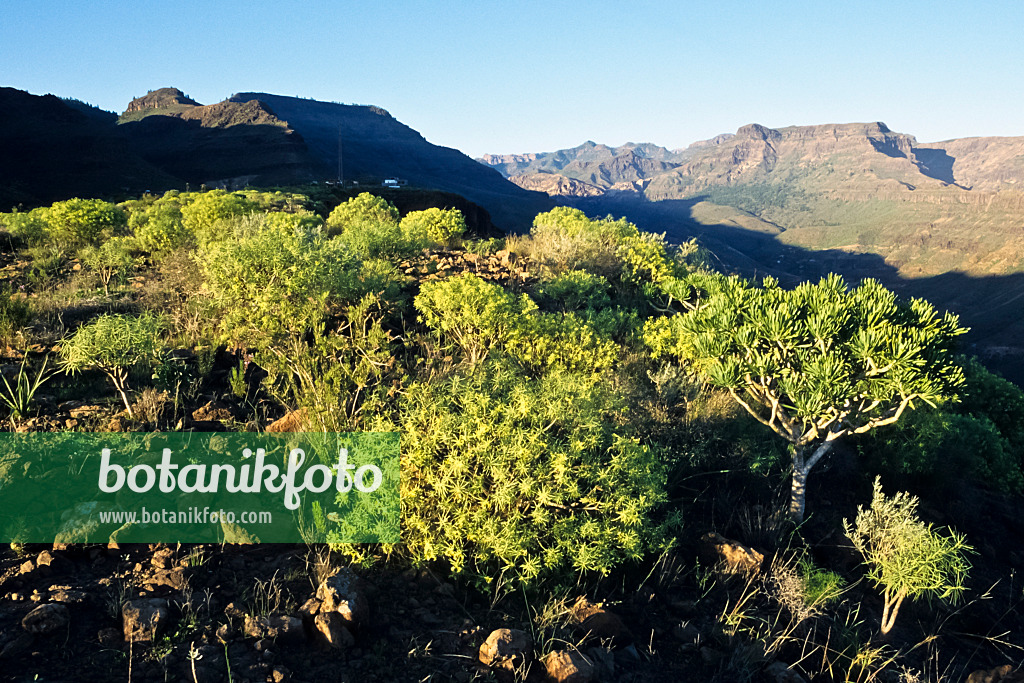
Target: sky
<point>492,76</point>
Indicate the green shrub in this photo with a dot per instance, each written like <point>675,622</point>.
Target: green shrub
<point>161,228</point>
<point>503,473</point>
<point>277,281</point>
<point>547,341</point>
<point>29,226</point>
<point>84,221</point>
<point>115,344</point>
<point>905,556</point>
<point>15,313</point>
<point>471,313</point>
<point>360,211</point>
<point>575,290</point>
<point>112,260</point>
<point>438,226</point>
<point>204,215</point>
<point>820,586</point>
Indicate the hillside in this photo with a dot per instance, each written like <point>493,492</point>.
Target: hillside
<point>55,149</point>
<point>375,145</point>
<point>940,220</point>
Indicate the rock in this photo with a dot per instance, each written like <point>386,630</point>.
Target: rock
<point>45,559</point>
<point>168,578</point>
<point>507,648</point>
<point>342,593</point>
<point>310,609</point>
<point>568,667</point>
<point>279,626</point>
<point>736,557</point>
<point>109,637</point>
<point>593,620</point>
<point>331,632</point>
<point>67,595</point>
<point>26,567</point>
<point>46,619</point>
<point>603,661</point>
<point>780,672</point>
<point>280,674</point>
<point>143,619</point>
<point>225,633</point>
<point>294,421</point>
<point>1001,674</point>
<point>163,558</point>
<point>17,646</point>
<point>213,411</point>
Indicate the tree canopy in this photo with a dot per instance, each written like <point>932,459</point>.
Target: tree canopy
<point>817,362</point>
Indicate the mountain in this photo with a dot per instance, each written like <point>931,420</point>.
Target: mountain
<point>940,220</point>
<point>54,149</point>
<point>228,144</point>
<point>571,159</point>
<point>375,145</point>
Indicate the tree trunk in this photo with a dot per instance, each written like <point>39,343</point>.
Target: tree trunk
<point>801,468</point>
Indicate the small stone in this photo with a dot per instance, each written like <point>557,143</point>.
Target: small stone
<point>569,667</point>
<point>280,674</point>
<point>736,557</point>
<point>45,559</point>
<point>26,567</point>
<point>341,593</point>
<point>143,619</point>
<point>46,619</point>
<point>225,633</point>
<point>331,631</point>
<point>507,648</point>
<point>109,637</point>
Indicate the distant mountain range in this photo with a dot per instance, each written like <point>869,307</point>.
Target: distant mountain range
<point>55,148</point>
<point>942,220</point>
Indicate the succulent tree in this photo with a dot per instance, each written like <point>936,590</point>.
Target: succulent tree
<point>816,363</point>
<point>114,344</point>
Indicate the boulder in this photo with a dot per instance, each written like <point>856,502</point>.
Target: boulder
<point>342,593</point>
<point>733,555</point>
<point>507,648</point>
<point>563,666</point>
<point>144,619</point>
<point>46,619</point>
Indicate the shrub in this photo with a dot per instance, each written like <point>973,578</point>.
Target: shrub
<point>113,259</point>
<point>360,211</point>
<point>575,290</point>
<point>161,228</point>
<point>524,476</point>
<point>439,226</point>
<point>203,216</point>
<point>31,226</point>
<point>905,556</point>
<point>84,221</point>
<point>277,280</point>
<point>471,313</point>
<point>115,344</point>
<point>543,342</point>
<point>15,312</point>
<point>565,239</point>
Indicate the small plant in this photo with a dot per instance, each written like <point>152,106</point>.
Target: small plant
<point>905,556</point>
<point>115,344</point>
<point>18,398</point>
<point>111,261</point>
<point>239,388</point>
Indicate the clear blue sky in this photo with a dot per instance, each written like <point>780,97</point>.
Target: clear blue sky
<point>505,76</point>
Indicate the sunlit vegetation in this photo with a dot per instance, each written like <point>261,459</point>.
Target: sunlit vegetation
<point>577,405</point>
